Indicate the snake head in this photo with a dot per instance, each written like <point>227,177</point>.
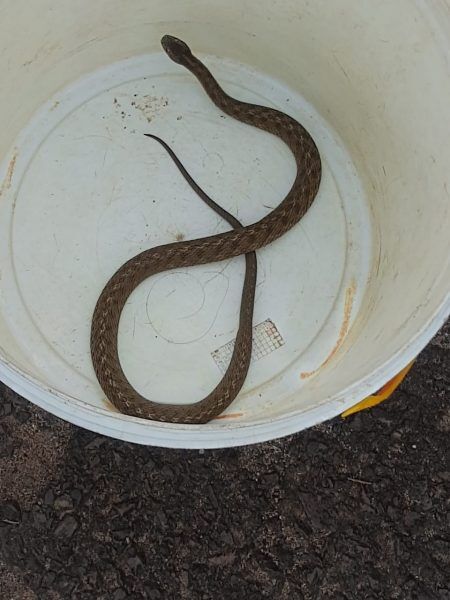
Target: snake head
<point>175,49</point>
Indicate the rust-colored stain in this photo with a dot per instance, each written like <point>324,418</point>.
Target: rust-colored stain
<point>109,405</point>
<point>348,305</point>
<point>230,416</point>
<point>9,174</point>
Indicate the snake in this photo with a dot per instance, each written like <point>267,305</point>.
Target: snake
<point>239,240</point>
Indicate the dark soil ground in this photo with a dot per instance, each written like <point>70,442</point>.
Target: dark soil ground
<point>352,509</point>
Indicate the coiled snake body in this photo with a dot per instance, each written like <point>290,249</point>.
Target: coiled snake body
<point>240,240</point>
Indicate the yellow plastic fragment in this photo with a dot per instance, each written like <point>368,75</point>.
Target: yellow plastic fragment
<point>382,394</point>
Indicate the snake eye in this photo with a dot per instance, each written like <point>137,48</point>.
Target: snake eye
<point>175,48</point>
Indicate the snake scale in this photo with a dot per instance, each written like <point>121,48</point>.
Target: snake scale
<point>239,240</point>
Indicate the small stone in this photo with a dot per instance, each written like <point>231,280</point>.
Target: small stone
<point>22,416</point>
<point>7,449</point>
<point>63,503</point>
<point>118,459</point>
<point>166,471</point>
<point>66,527</point>
<point>10,513</point>
<point>134,562</point>
<point>226,538</point>
<point>92,578</point>
<point>184,578</point>
<point>270,480</point>
<point>39,518</point>
<point>49,578</point>
<point>49,498</point>
<point>76,495</point>
<point>411,518</point>
<point>95,443</point>
<point>64,585</point>
<point>122,534</point>
<point>222,560</point>
<point>124,508</point>
<point>162,518</point>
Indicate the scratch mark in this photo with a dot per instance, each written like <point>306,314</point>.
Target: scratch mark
<point>97,233</point>
<point>341,67</point>
<point>378,260</point>
<point>201,336</point>
<point>210,155</point>
<point>91,135</point>
<point>199,308</point>
<point>56,243</point>
<point>220,272</point>
<point>111,198</point>
<point>144,218</point>
<point>308,239</point>
<point>43,51</point>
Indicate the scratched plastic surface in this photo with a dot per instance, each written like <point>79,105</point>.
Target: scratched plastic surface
<point>83,190</point>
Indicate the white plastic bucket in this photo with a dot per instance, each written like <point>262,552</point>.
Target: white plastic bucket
<point>345,300</point>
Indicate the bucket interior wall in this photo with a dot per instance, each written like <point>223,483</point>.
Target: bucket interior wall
<point>379,75</point>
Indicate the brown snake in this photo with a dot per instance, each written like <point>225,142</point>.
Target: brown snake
<point>240,240</point>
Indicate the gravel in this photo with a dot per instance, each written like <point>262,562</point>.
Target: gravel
<point>351,509</point>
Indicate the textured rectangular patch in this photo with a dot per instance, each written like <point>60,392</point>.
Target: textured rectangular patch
<point>266,339</point>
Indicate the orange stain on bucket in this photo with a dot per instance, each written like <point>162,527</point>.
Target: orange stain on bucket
<point>110,406</point>
<point>9,174</point>
<point>348,305</point>
<point>229,416</point>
